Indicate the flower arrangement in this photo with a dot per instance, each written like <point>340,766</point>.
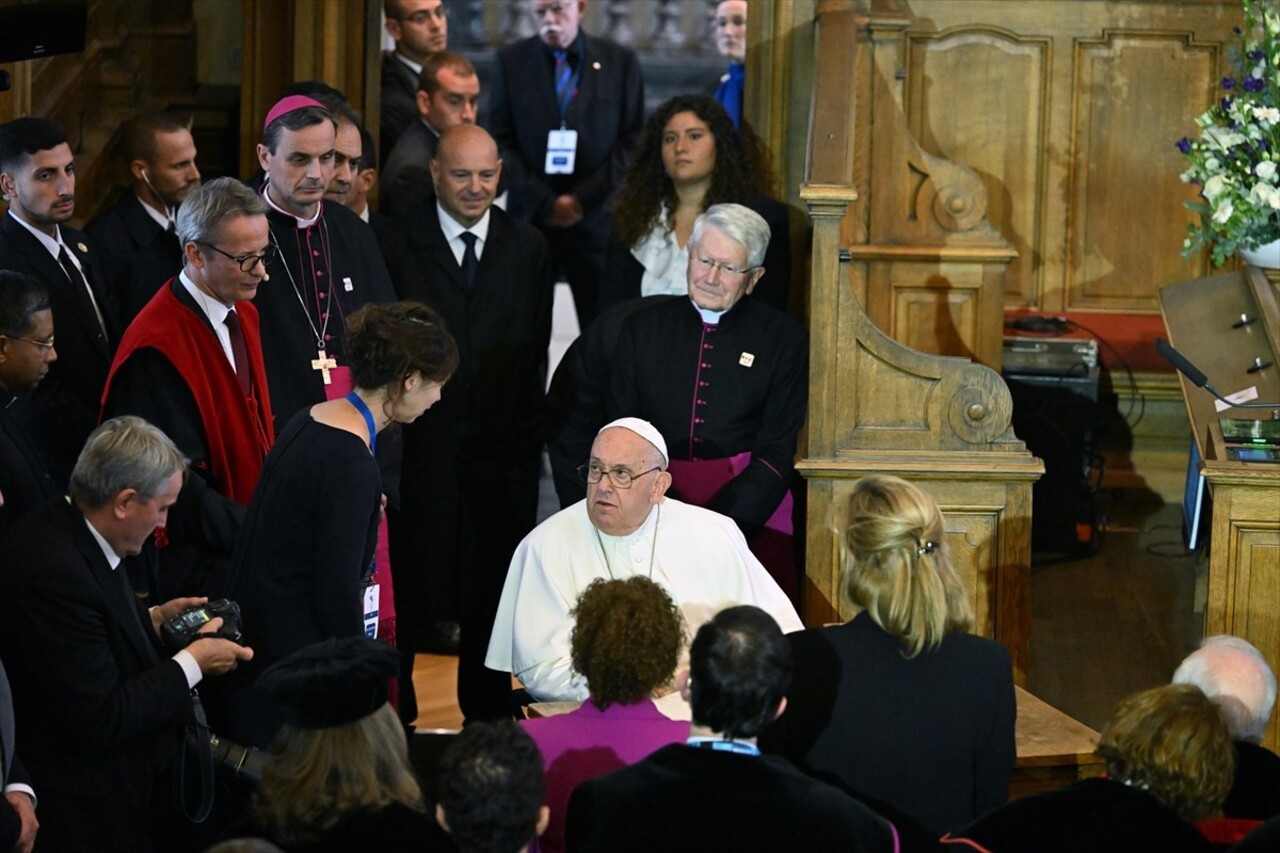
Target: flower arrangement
<point>1235,159</point>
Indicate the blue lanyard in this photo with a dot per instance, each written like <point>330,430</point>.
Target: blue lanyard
<point>354,399</point>
<point>722,745</point>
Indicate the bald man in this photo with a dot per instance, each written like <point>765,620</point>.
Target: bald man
<point>469,485</point>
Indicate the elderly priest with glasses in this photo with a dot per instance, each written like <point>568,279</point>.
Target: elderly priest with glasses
<point>625,527</point>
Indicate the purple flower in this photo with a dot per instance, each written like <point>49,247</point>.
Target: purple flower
<point>1184,145</point>
<point>1257,55</point>
<point>1253,84</point>
<point>1228,83</point>
<point>1226,104</point>
<point>1237,31</point>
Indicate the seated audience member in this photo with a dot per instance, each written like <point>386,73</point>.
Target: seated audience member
<point>576,402</point>
<point>717,791</point>
<point>338,777</point>
<point>26,351</point>
<point>625,527</point>
<point>901,704</point>
<point>100,705</point>
<point>689,159</point>
<point>1169,763</point>
<point>724,379</point>
<point>1235,675</point>
<point>626,642</point>
<point>301,570</point>
<point>490,787</point>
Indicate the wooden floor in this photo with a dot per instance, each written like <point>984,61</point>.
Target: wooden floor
<point>1103,627</point>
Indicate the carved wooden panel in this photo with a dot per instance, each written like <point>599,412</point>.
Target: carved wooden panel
<point>1004,78</point>
<point>1069,111</point>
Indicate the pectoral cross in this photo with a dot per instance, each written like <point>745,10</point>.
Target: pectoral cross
<point>324,363</point>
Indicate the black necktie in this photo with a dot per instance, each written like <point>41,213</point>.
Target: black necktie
<point>470,263</point>
<point>239,351</point>
<point>77,279</point>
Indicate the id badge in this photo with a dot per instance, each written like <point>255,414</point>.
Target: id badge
<point>371,611</point>
<point>562,149</point>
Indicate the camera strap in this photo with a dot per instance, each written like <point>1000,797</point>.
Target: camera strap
<point>204,756</point>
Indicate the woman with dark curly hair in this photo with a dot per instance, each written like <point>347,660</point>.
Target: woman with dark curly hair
<point>626,641</point>
<point>301,571</point>
<point>689,158</point>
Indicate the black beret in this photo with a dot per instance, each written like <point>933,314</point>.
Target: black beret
<point>333,682</point>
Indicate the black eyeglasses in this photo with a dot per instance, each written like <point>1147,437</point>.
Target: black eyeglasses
<point>620,477</point>
<point>247,262</point>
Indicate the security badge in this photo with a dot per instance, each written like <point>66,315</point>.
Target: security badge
<point>562,149</point>
<point>746,359</point>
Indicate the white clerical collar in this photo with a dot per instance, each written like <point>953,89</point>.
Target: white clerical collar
<point>302,223</point>
<point>452,228</point>
<point>364,214</point>
<point>164,221</point>
<point>709,317</point>
<point>52,244</point>
<point>113,559</point>
<point>640,532</point>
<point>213,308</point>
<point>415,67</point>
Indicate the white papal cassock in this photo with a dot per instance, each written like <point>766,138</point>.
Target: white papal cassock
<point>698,556</point>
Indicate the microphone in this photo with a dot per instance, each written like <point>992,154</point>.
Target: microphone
<point>1197,377</point>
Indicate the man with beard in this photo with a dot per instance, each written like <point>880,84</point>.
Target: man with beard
<point>567,108</point>
<point>37,176</point>
<point>136,237</point>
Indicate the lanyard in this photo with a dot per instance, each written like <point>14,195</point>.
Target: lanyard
<point>721,745</point>
<point>571,88</point>
<point>354,399</point>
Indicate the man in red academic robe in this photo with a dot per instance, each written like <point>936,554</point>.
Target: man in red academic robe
<point>191,363</point>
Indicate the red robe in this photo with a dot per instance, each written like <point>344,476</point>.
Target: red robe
<point>238,429</point>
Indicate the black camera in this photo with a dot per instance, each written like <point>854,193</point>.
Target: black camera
<point>179,631</point>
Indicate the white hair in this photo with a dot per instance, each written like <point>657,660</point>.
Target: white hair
<point>1235,675</point>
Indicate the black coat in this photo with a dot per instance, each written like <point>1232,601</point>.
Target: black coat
<point>471,464</point>
<point>399,102</point>
<point>685,798</point>
<point>135,255</point>
<point>68,400</point>
<point>932,736</point>
<point>24,478</point>
<point>406,173</point>
<point>98,705</point>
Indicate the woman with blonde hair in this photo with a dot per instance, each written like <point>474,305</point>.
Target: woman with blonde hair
<point>900,704</point>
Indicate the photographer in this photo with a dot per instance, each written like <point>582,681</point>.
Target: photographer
<point>101,710</point>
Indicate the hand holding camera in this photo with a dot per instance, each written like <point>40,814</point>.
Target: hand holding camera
<point>216,624</point>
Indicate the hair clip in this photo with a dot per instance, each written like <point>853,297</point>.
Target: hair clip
<point>926,548</point>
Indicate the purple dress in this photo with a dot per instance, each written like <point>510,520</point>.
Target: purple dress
<point>588,742</point>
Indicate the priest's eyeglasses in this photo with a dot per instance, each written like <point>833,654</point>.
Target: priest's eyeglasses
<point>47,345</point>
<point>621,478</point>
<point>709,264</point>
<point>248,263</point>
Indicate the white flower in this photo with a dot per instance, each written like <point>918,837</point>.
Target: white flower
<point>1265,170</point>
<point>1265,194</point>
<point>1267,114</point>
<point>1222,137</point>
<point>1223,211</point>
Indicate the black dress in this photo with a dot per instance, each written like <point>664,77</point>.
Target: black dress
<point>307,540</point>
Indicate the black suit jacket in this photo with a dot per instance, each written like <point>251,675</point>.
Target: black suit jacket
<point>470,471</point>
<point>11,770</point>
<point>67,401</point>
<point>608,113</point>
<point>406,173</point>
<point>399,102</point>
<point>24,477</point>
<point>686,798</point>
<point>135,255</point>
<point>98,705</point>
